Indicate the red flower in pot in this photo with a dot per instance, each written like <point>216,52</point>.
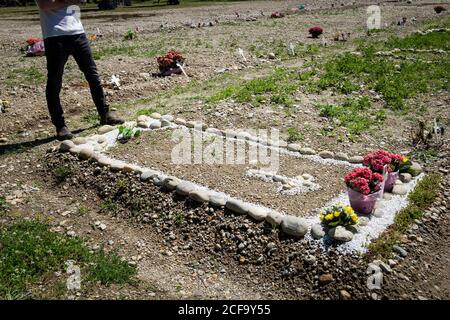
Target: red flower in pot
<point>315,32</point>
<point>168,63</point>
<point>380,159</point>
<point>364,189</point>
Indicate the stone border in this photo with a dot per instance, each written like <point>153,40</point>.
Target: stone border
<point>93,148</point>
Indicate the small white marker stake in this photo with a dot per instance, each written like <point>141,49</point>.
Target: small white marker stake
<point>241,52</point>
<point>182,69</point>
<point>115,81</point>
<point>291,48</point>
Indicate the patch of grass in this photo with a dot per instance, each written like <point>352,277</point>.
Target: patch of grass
<point>396,79</point>
<point>92,118</point>
<point>110,206</point>
<point>108,268</point>
<point>179,218</point>
<point>30,251</point>
<point>146,112</point>
<point>26,75</point>
<point>82,210</point>
<point>275,89</point>
<point>3,205</point>
<point>294,135</point>
<point>420,199</point>
<point>425,155</point>
<point>62,172</point>
<point>354,114</point>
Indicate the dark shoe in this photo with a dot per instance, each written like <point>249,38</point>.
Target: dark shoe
<point>110,119</point>
<point>63,134</point>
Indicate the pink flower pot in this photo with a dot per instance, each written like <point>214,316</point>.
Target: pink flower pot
<point>390,181</point>
<point>363,204</point>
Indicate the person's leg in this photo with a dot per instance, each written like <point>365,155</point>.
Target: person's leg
<point>83,56</point>
<point>57,54</point>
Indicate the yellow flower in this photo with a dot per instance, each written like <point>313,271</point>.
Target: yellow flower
<point>329,217</point>
<point>349,210</point>
<point>336,214</point>
<point>354,217</point>
<point>405,159</point>
<point>321,216</point>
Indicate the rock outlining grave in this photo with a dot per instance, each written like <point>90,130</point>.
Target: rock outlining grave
<point>294,226</point>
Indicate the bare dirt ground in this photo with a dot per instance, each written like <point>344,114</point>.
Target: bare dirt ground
<point>202,259</point>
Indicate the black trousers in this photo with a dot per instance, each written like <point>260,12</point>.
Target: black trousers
<point>57,50</point>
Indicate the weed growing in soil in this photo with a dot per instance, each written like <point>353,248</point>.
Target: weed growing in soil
<point>275,89</point>
<point>294,135</point>
<point>420,198</point>
<point>425,155</point>
<point>62,172</point>
<point>27,75</point>
<point>354,114</point>
<point>30,251</point>
<point>3,206</point>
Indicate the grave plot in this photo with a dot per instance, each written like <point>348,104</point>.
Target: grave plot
<point>299,187</point>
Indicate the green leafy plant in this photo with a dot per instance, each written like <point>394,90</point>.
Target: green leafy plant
<point>294,135</point>
<point>126,133</point>
<point>130,35</point>
<point>3,205</point>
<point>62,172</point>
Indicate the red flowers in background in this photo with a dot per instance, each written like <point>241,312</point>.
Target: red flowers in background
<point>277,15</point>
<point>32,41</point>
<point>169,60</point>
<point>315,32</point>
<point>377,160</point>
<point>363,180</point>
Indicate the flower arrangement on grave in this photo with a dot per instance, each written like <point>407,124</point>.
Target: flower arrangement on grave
<point>338,215</point>
<point>381,159</point>
<point>405,165</point>
<point>315,32</point>
<point>276,15</point>
<point>364,189</point>
<point>169,62</point>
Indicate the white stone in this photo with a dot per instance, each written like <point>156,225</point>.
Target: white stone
<point>294,226</point>
<point>155,124</point>
<point>66,145</point>
<point>341,156</point>
<point>293,147</point>
<point>184,188</point>
<point>79,140</point>
<point>307,151</point>
<point>237,206</point>
<point>326,154</point>
<point>274,218</point>
<point>199,196</point>
<point>86,153</point>
<point>399,189</point>
<point>104,129</point>
<point>217,200</point>
<point>356,159</point>
<point>340,234</point>
<point>167,117</point>
<point>257,213</point>
<point>317,231</point>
